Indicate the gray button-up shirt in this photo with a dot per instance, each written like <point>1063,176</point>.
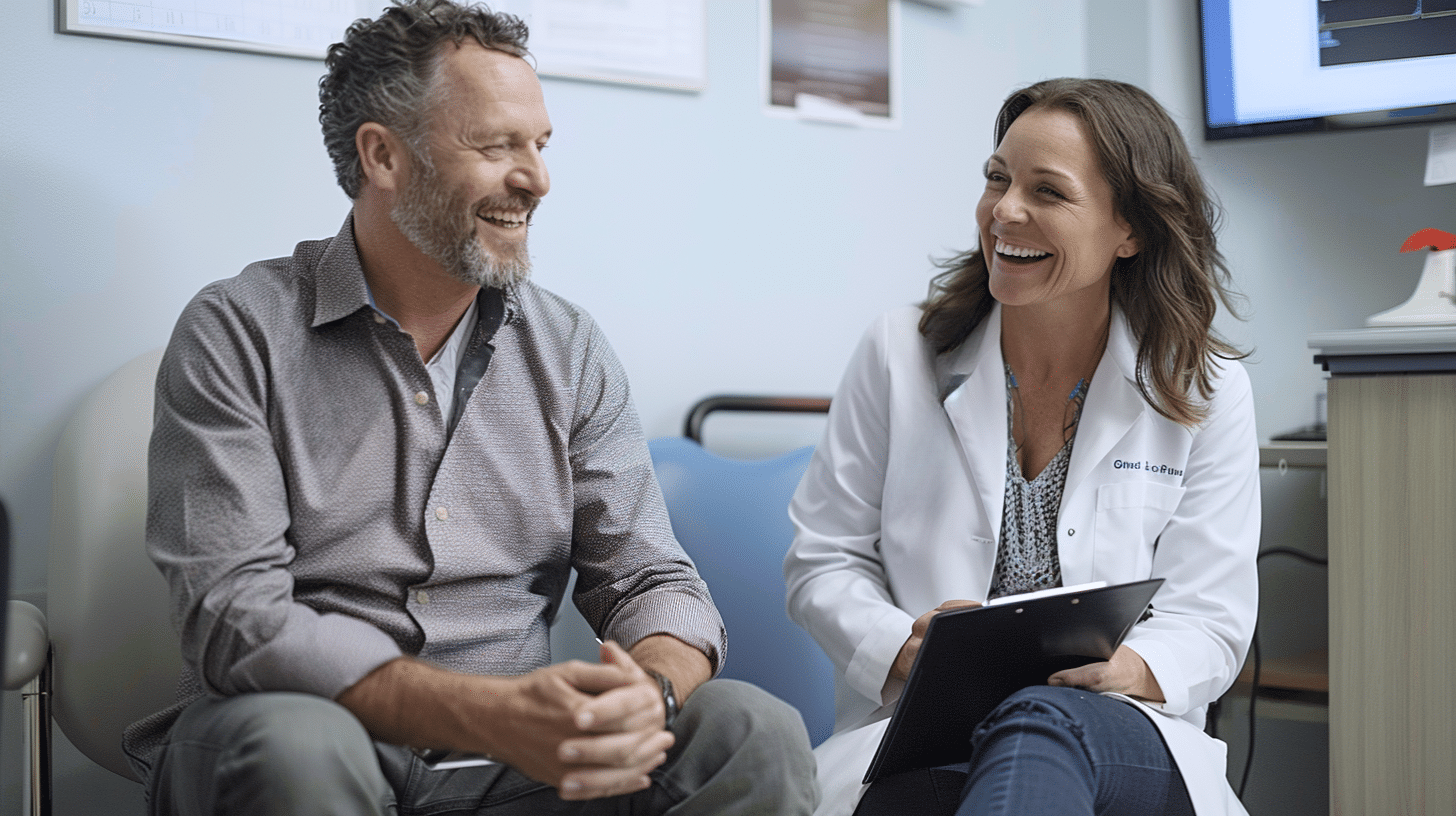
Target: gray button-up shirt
<point>315,520</point>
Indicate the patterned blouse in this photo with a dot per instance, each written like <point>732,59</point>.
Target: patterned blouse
<point>1027,559</point>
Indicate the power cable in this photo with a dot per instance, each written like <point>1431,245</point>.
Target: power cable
<point>1258,662</point>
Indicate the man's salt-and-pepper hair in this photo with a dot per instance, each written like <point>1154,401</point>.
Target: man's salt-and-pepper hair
<point>384,70</point>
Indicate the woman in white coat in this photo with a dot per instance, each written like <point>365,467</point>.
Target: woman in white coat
<point>1059,411</point>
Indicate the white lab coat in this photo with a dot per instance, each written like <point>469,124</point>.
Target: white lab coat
<point>900,510</point>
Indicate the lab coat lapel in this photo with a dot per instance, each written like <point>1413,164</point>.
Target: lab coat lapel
<point>1113,405</point>
<point>976,406</point>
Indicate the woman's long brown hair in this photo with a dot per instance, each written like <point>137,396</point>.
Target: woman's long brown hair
<point>1170,290</point>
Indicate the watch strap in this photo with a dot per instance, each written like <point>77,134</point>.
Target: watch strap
<point>670,703</point>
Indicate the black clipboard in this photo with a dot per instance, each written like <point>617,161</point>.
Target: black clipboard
<point>972,659</point>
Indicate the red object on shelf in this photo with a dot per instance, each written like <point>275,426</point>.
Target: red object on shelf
<point>1435,239</point>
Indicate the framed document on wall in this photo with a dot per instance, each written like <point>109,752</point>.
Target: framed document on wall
<point>290,28</point>
<point>660,43</point>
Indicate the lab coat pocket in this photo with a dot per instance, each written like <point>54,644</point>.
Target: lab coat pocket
<point>1130,517</point>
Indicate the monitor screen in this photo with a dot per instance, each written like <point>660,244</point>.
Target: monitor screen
<point>1289,66</point>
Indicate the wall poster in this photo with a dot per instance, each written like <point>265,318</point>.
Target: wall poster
<point>834,60</point>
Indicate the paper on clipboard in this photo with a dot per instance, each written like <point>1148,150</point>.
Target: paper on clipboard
<point>1044,593</point>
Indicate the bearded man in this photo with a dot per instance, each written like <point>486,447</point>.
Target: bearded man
<point>375,463</point>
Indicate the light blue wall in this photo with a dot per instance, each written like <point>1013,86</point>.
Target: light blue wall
<point>722,250</point>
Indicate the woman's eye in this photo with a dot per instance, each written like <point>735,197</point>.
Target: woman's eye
<point>1047,191</point>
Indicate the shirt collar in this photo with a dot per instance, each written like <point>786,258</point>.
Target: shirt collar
<point>341,290</point>
<point>339,286</point>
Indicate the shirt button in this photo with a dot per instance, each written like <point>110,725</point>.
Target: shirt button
<point>1071,532</point>
<point>423,597</point>
<point>442,513</point>
<point>422,398</point>
<point>379,318</point>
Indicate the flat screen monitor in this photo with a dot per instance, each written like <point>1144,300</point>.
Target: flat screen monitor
<point>1291,66</point>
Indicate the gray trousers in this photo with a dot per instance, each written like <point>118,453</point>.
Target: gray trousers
<point>739,750</point>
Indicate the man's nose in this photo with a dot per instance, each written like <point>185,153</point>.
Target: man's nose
<point>530,174</point>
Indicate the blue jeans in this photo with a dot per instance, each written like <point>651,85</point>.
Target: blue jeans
<point>1048,750</point>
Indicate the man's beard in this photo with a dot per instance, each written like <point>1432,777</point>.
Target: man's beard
<point>443,228</point>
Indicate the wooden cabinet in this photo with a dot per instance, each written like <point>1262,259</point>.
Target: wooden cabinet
<point>1392,529</point>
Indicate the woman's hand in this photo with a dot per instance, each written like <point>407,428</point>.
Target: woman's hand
<point>1126,673</point>
<point>900,669</point>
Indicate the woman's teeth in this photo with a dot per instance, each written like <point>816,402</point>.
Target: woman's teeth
<point>1003,248</point>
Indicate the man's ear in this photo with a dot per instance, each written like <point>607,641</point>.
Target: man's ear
<point>382,157</point>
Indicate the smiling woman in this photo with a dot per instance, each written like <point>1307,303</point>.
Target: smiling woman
<point>1047,212</point>
<point>1171,288</point>
<point>1058,412</point>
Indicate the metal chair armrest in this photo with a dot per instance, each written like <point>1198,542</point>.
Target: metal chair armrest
<point>27,639</point>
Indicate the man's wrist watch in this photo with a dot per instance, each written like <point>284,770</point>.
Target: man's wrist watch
<point>669,698</point>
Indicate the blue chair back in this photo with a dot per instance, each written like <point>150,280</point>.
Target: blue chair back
<point>732,518</point>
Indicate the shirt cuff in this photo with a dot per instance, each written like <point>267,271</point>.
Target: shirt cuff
<point>1166,670</point>
<point>315,654</point>
<point>683,615</point>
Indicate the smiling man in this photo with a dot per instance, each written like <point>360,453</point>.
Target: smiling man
<point>374,465</point>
